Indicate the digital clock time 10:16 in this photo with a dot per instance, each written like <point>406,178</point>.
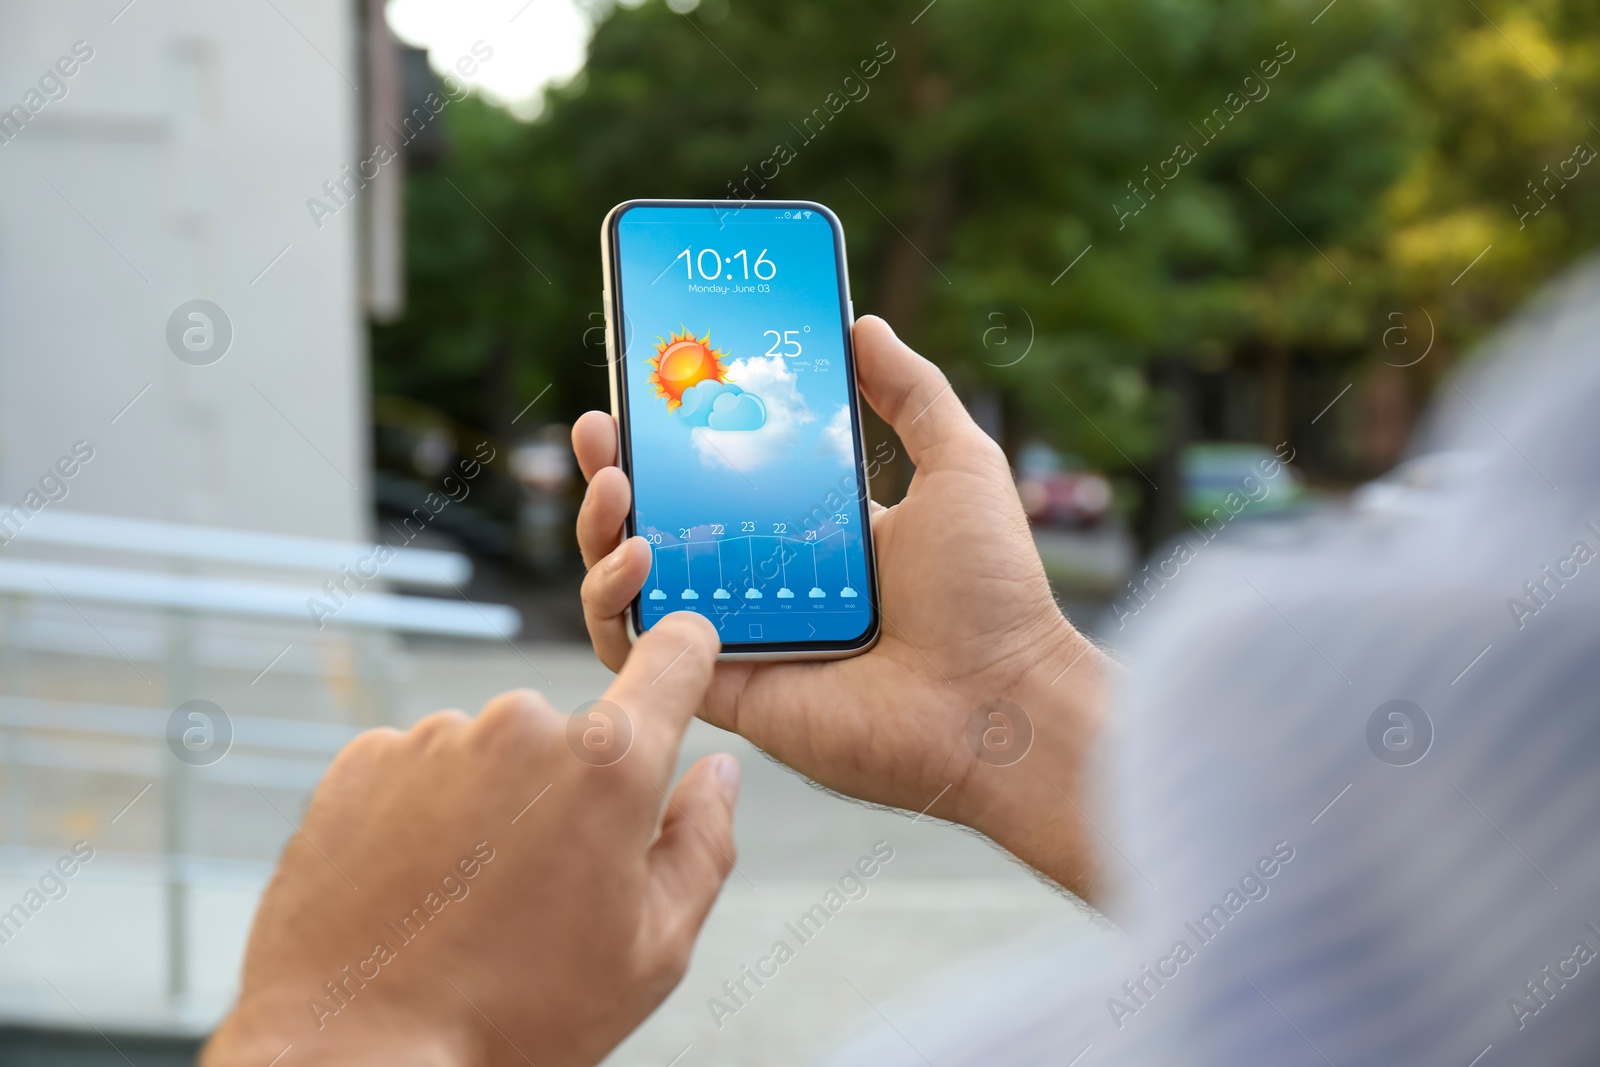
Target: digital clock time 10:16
<point>693,260</point>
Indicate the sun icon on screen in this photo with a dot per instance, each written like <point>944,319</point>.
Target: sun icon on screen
<point>682,361</point>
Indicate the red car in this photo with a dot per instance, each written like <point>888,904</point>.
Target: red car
<point>1056,491</point>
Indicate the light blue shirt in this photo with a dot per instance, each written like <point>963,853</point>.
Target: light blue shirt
<point>1441,910</point>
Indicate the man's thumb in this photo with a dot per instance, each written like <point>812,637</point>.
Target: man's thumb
<point>911,394</point>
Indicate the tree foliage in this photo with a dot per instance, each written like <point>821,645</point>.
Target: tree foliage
<point>998,144</point>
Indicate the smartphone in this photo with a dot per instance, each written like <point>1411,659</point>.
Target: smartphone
<point>733,385</point>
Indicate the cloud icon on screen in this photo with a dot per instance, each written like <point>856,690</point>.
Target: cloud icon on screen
<point>737,411</point>
<point>698,399</point>
<point>722,406</point>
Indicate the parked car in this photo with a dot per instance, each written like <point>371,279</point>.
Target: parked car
<point>1057,490</point>
<point>1251,472</point>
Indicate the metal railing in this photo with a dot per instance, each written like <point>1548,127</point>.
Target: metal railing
<point>160,587</point>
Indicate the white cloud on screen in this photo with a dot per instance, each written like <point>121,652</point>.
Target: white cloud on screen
<point>750,450</point>
<point>837,439</point>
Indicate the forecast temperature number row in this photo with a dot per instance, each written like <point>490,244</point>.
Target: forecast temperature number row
<point>747,527</point>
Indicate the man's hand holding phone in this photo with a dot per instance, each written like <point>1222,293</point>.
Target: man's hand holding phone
<point>967,618</point>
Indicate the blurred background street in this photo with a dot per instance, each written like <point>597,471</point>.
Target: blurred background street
<point>282,281</point>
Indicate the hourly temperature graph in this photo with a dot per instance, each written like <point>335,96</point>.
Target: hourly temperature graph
<point>741,423</point>
<point>756,574</point>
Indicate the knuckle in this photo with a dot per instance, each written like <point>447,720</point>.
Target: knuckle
<point>600,500</point>
<point>668,963</point>
<point>604,591</point>
<point>594,584</point>
<point>675,964</point>
<point>989,447</point>
<point>922,393</point>
<point>367,747</point>
<point>591,498</point>
<point>515,712</point>
<point>434,728</point>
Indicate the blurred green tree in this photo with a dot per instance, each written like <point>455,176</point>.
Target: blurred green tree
<point>1134,190</point>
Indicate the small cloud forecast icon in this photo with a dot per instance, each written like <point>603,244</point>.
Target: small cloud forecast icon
<point>688,373</point>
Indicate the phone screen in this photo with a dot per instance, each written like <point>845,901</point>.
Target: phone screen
<point>738,408</point>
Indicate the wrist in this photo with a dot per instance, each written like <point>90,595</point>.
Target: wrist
<point>255,1034</point>
<point>1038,807</point>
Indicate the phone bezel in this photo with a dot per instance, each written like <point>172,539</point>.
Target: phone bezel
<point>616,344</point>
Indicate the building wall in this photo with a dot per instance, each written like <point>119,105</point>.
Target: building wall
<point>177,166</point>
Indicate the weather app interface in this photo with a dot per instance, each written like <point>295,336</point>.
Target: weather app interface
<point>745,473</point>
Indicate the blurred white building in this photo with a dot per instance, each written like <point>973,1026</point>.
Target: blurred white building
<point>156,152</point>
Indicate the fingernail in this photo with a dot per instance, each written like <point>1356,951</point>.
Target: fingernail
<point>729,775</point>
